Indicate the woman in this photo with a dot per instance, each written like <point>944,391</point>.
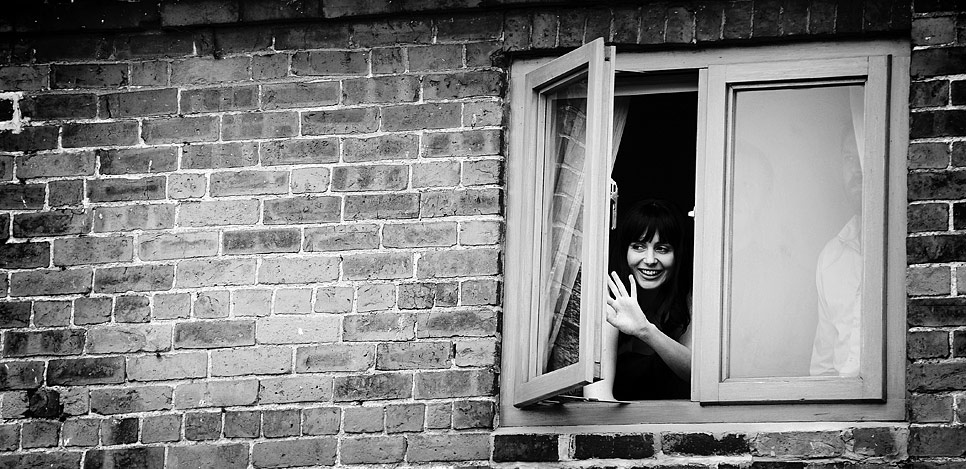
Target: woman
<point>653,315</point>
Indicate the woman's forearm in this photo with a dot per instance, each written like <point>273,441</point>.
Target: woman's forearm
<point>676,355</point>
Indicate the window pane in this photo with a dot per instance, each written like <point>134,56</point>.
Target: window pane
<point>560,307</point>
<point>796,253</point>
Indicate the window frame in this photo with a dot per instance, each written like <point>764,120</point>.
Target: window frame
<point>890,407</point>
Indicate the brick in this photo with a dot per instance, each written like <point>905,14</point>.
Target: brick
<point>214,334</point>
<point>927,441</point>
<point>203,71</point>
<point>480,232</point>
<point>64,193</point>
<point>936,61</point>
<point>261,241</point>
<point>302,452</point>
<point>316,36</point>
<point>436,174</point>
<point>199,426</point>
<point>85,371</point>
<point>134,278</point>
<point>81,432</point>
<point>340,121</point>
<point>927,217</point>
<point>41,459</point>
<point>25,196</point>
<point>874,441</point>
<point>50,282</point>
<point>370,178</point>
<point>52,313</point>
<point>301,151</point>
<point>298,270</point>
<point>248,183</point>
<point>187,186</point>
<point>413,355</point>
<point>373,387</point>
<point>467,143</point>
<point>310,180</point>
<point>92,310</point>
<point>419,234</point>
<point>487,54</point>
<point>928,281</point>
<point>293,301</point>
<point>118,190</point>
<point>939,123</point>
<point>959,345</point>
<point>90,250</point>
<point>261,10</point>
<point>448,447</point>
<point>226,456</point>
<point>34,138</point>
<point>9,437</point>
<point>421,116</point>
<point>222,155</point>
<point>381,206</point>
<point>306,94</point>
<point>242,423</point>
<point>155,367</point>
<point>936,185</point>
<point>473,414</point>
<point>161,428</point>
<point>929,93</point>
<point>211,305</point>
<point>109,401</point>
<point>405,418</point>
<point>259,125</point>
<point>171,306</point>
<point>180,129</point>
<point>704,444</point>
<point>145,457</point>
<point>475,27</point>
<point>934,377</point>
<point>929,155</point>
<point>215,394</point>
<point>280,423</point>
<point>571,27</point>
<point>379,327</point>
<point>305,209</point>
<point>454,383</point>
<point>335,357</point>
<point>251,302</point>
<point>218,99</point>
<point>330,63</point>
<point>427,295</point>
<point>373,450</point>
<point>387,60</point>
<point>460,202</point>
<point>439,415</point>
<point>482,114</point>
<point>133,217</point>
<point>389,32</point>
<point>938,248</point>
<point>59,106</point>
<point>24,77</point>
<point>342,237</point>
<point>139,103</point>
<point>242,39</point>
<point>543,34</point>
<point>13,405</point>
<point>40,434</point>
<point>133,308</point>
<point>811,444</point>
<point>333,299</point>
<point>305,388</point>
<point>476,352</point>
<point>930,408</point>
<point>363,420</point>
<point>152,46</point>
<point>24,256</point>
<point>150,73</point>
<point>383,147</point>
<point>456,323</point>
<point>461,263</point>
<point>213,213</point>
<point>297,330</point>
<point>526,448</point>
<point>138,160</point>
<point>21,375</point>
<point>378,266</point>
<point>89,76</point>
<point>208,12</point>
<point>257,361</point>
<point>375,297</point>
<point>387,89</point>
<point>128,339</point>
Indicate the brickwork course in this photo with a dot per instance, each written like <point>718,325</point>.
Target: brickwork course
<point>269,233</point>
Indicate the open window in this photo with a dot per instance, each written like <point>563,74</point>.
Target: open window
<point>793,173</point>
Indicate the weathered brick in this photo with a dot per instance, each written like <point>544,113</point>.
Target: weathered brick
<point>373,450</point>
<point>242,39</point>
<point>439,415</point>
<point>388,32</point>
<point>268,66</point>
<point>300,151</point>
<point>436,57</point>
<point>110,401</point>
<point>421,116</point>
<point>330,63</point>
<point>926,441</point>
<point>475,26</point>
<point>40,434</point>
<point>436,174</point>
<point>927,217</point>
<point>116,189</point>
<point>226,456</point>
<point>51,313</point>
<point>138,160</point>
<point>85,371</point>
<point>383,147</point>
<point>134,278</point>
<point>333,299</point>
<point>290,453</point>
<point>133,217</point>
<point>211,305</point>
<point>929,93</point>
<point>342,237</point>
<point>405,417</point>
<point>216,212</point>
<point>161,428</point>
<point>200,426</point>
<point>24,256</point>
<point>382,206</point>
<point>171,306</point>
<point>155,367</point>
<point>180,129</point>
<point>379,327</point>
<point>242,424</point>
<point>99,134</point>
<point>57,164</point>
<point>461,263</point>
<point>248,183</point>
<point>257,361</point>
<point>306,94</point>
<point>300,388</point>
<point>460,202</point>
<point>150,73</point>
<point>340,121</point>
<point>214,334</point>
<point>227,155</point>
<point>457,323</point>
<point>334,357</point>
<point>293,301</point>
<point>454,383</point>
<point>476,352</point>
<point>810,444</point>
<point>50,282</point>
<point>189,13</point>
<point>375,297</point>
<point>316,36</point>
<point>704,444</point>
<point>959,348</point>
<point>133,308</point>
<point>627,446</point>
<point>203,70</point>
<point>928,281</point>
<point>47,342</point>
<point>527,448</point>
<point>370,178</point>
<point>81,432</point>
<point>464,85</point>
<point>280,423</point>
<point>935,377</point>
<point>139,103</point>
<point>215,394</point>
<point>363,419</point>
<point>373,387</point>
<point>930,408</point>
<point>91,250</point>
<point>251,302</point>
<point>305,209</point>
<point>419,234</point>
<point>473,414</point>
<point>66,193</point>
<point>144,457</point>
<point>187,186</point>
<point>33,138</point>
<point>427,295</point>
<point>298,270</point>
<point>231,98</point>
<point>24,77</point>
<point>59,106</point>
<point>297,330</point>
<point>413,355</point>
<point>388,89</point>
<point>89,76</point>
<point>448,447</point>
<point>938,248</point>
<point>128,339</point>
<point>259,125</point>
<point>22,196</point>
<point>389,265</point>
<point>52,223</point>
<point>92,310</point>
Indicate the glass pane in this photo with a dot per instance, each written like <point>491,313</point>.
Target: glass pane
<point>564,180</point>
<point>796,265</point>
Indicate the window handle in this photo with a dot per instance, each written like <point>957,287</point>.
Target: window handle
<point>613,205</point>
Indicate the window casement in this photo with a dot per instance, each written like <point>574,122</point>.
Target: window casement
<point>783,137</point>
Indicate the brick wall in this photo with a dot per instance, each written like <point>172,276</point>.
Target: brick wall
<point>268,233</point>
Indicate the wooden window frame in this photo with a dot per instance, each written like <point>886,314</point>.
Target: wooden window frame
<point>886,405</point>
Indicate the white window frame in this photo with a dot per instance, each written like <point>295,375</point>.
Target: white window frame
<point>880,397</point>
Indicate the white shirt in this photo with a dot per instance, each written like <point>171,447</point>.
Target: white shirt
<point>838,277</point>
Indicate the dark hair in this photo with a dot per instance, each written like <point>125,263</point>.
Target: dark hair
<point>640,222</point>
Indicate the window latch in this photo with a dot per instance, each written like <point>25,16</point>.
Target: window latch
<point>613,205</point>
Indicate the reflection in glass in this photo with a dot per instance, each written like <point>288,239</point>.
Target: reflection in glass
<point>561,247</point>
<point>796,252</point>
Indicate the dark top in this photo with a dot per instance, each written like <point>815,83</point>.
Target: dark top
<point>645,376</point>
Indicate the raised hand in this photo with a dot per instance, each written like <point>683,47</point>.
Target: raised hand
<point>623,310</point>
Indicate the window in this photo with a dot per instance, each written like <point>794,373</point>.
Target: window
<point>798,307</point>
